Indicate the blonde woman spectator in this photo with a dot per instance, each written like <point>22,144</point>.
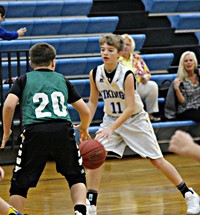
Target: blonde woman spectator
<point>147,89</point>
<point>187,88</point>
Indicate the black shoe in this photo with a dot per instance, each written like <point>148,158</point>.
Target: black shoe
<point>154,119</point>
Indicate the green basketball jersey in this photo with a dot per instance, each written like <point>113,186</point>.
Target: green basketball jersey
<point>44,98</point>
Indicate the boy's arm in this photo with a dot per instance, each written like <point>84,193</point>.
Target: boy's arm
<point>179,95</point>
<point>11,35</point>
<point>1,173</point>
<point>84,114</point>
<point>8,35</point>
<point>8,113</point>
<point>94,97</point>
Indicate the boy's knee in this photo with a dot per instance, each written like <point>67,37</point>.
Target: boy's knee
<point>74,180</point>
<point>158,163</point>
<point>18,191</point>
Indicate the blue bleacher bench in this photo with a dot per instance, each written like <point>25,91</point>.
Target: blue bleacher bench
<point>63,26</point>
<point>157,125</point>
<point>74,67</point>
<point>171,6</point>
<point>67,45</point>
<point>162,77</point>
<point>160,61</point>
<point>197,34</point>
<point>16,9</point>
<point>82,66</point>
<point>5,90</point>
<point>160,6</point>
<point>185,21</point>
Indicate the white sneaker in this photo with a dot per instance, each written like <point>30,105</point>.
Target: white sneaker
<point>192,202</point>
<point>91,209</point>
<point>77,213</point>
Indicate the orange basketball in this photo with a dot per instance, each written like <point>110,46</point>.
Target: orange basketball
<point>93,153</point>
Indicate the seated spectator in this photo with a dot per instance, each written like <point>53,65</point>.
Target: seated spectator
<point>187,88</point>
<point>9,35</point>
<point>147,89</point>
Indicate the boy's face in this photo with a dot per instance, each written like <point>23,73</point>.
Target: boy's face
<point>2,18</point>
<point>109,53</point>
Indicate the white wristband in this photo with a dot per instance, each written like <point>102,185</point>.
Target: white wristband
<point>176,84</point>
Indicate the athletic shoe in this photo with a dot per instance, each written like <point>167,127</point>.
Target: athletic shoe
<point>91,209</point>
<point>154,119</point>
<point>77,213</point>
<point>192,202</point>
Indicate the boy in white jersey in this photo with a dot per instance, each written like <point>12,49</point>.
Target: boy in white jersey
<point>123,120</point>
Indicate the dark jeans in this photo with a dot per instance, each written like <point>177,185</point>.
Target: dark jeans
<point>191,114</point>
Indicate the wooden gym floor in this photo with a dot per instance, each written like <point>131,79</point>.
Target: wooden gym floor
<point>129,186</point>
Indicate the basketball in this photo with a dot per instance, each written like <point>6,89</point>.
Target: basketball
<point>93,153</point>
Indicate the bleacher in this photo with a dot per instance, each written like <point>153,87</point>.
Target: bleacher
<point>72,29</point>
<point>76,66</point>
<point>150,17</point>
<point>197,34</point>
<point>25,9</point>
<point>183,17</point>
<point>81,45</point>
<point>185,22</point>
<point>171,6</point>
<point>63,26</point>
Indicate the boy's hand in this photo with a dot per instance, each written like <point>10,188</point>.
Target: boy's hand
<point>1,173</point>
<point>144,80</point>
<point>5,139</point>
<point>177,83</point>
<point>180,143</point>
<point>21,32</point>
<point>105,133</point>
<point>84,135</point>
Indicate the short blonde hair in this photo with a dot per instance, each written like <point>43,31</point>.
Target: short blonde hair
<point>182,73</point>
<point>112,40</point>
<point>127,36</point>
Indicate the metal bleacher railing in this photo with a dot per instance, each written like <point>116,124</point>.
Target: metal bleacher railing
<point>6,80</point>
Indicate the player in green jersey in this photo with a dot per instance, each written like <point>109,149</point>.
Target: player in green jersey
<point>44,96</point>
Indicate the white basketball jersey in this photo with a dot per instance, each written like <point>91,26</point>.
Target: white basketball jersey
<point>113,93</point>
